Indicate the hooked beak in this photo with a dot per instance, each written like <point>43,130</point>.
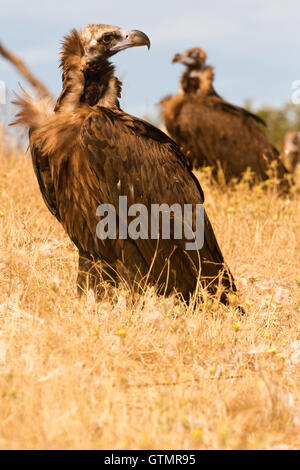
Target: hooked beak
<point>131,38</point>
<point>183,59</point>
<point>176,58</point>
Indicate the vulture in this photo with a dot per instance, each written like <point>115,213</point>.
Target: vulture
<point>213,132</point>
<point>87,152</point>
<point>291,151</point>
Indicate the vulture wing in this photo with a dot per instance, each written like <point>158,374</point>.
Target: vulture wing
<point>43,174</point>
<point>214,131</point>
<point>238,111</point>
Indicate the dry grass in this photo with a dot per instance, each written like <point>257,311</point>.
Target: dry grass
<point>79,374</point>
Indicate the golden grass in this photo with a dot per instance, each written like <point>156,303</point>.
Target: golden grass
<point>77,374</point>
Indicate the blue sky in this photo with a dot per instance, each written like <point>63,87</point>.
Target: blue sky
<point>253,44</point>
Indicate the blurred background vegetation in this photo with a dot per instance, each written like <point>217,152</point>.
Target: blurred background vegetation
<point>278,120</point>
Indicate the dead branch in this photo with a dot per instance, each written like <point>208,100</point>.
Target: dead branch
<point>23,69</point>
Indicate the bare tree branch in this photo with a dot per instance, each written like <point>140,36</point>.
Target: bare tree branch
<point>23,69</point>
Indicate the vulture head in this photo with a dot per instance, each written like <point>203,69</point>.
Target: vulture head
<point>197,77</point>
<point>194,58</point>
<point>88,76</point>
<point>104,41</point>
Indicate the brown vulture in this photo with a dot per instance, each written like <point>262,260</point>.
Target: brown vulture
<point>291,151</point>
<point>212,131</point>
<point>87,152</point>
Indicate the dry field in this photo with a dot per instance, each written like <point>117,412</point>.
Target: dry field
<point>153,373</point>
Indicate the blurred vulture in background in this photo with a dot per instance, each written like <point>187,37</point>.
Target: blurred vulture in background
<point>87,152</point>
<point>291,151</point>
<point>213,132</point>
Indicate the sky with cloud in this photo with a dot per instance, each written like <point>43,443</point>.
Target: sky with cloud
<point>253,44</point>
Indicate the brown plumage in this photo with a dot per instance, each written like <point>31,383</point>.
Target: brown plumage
<point>88,152</point>
<point>212,131</point>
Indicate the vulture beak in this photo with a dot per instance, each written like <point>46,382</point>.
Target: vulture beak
<point>183,59</point>
<point>176,58</point>
<point>131,38</point>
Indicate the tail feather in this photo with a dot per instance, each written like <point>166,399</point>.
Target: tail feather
<point>32,112</point>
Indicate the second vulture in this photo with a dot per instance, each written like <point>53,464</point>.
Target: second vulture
<point>212,131</point>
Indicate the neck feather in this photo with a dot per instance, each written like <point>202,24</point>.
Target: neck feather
<point>84,82</point>
<point>198,81</point>
<point>101,88</point>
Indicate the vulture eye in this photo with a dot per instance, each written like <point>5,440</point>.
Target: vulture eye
<point>106,38</point>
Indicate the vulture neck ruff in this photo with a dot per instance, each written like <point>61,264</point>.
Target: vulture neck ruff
<point>101,87</point>
<point>197,81</point>
<point>85,81</point>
